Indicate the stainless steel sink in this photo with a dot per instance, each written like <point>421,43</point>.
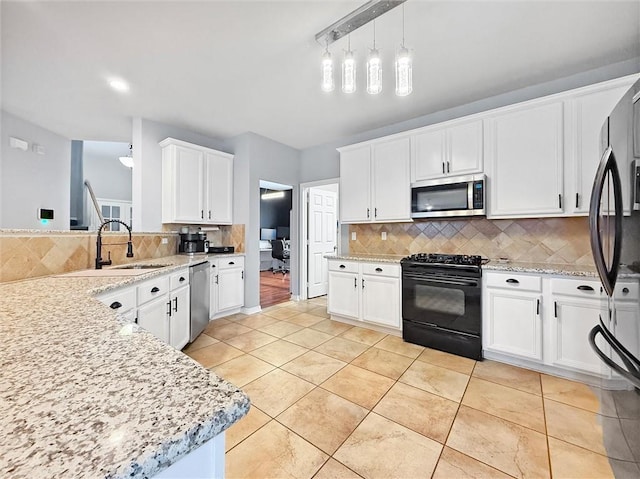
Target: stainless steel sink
<point>141,266</point>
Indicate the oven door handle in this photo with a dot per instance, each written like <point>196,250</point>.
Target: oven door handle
<point>452,282</point>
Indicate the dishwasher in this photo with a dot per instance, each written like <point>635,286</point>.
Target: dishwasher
<point>199,298</point>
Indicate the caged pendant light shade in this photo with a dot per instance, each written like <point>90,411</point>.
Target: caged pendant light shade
<point>374,68</point>
<point>349,70</point>
<point>327,70</point>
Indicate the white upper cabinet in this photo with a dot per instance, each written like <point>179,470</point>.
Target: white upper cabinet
<point>375,182</point>
<point>586,113</point>
<point>197,184</point>
<point>525,159</point>
<point>454,150</point>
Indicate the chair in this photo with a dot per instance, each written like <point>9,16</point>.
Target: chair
<point>282,255</point>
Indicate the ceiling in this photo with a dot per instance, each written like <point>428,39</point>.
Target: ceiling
<point>223,68</point>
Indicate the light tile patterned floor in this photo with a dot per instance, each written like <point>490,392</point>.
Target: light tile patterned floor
<point>334,401</point>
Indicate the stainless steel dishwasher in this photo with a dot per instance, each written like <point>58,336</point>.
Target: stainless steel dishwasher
<point>199,284</point>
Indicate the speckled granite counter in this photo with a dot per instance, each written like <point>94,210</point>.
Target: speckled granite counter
<point>375,258</point>
<point>550,268</point>
<point>81,396</point>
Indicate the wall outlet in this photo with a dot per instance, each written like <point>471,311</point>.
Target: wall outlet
<point>164,241</point>
<point>353,236</point>
<point>383,235</point>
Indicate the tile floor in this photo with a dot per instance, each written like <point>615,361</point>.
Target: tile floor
<point>334,401</point>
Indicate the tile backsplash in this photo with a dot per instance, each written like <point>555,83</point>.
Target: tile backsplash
<point>544,240</point>
<point>27,254</point>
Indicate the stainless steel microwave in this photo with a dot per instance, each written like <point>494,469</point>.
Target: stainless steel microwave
<point>452,196</point>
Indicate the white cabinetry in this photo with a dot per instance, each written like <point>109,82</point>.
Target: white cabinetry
<point>197,184</point>
<point>525,160</point>
<point>227,285</point>
<point>512,320</point>
<point>368,292</point>
<point>122,301</point>
<point>586,112</point>
<point>443,151</point>
<point>375,182</point>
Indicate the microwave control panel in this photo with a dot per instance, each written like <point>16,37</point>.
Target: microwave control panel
<point>478,195</point>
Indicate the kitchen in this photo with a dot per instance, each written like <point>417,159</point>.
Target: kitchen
<point>256,155</point>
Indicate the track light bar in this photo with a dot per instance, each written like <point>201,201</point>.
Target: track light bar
<point>359,17</point>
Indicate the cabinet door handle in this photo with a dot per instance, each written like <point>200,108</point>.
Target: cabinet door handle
<point>169,310</point>
<point>202,214</point>
<point>116,305</point>
<point>242,274</point>
<point>584,287</point>
<point>355,282</point>
<point>577,200</point>
<point>175,304</point>
<point>513,281</point>
<point>181,279</point>
<point>367,212</point>
<point>213,265</point>
<point>448,170</point>
<point>342,266</point>
<point>538,307</point>
<point>375,212</point>
<point>216,279</point>
<point>379,270</point>
<point>155,289</point>
<point>555,309</point>
<point>625,290</point>
<point>559,201</point>
<point>209,214</point>
<point>443,172</point>
<point>362,283</point>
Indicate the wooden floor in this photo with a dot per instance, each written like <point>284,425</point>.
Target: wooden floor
<point>274,288</point>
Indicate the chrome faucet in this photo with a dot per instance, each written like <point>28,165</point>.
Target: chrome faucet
<point>99,262</point>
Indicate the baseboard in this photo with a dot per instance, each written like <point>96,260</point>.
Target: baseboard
<point>249,311</point>
<point>295,297</point>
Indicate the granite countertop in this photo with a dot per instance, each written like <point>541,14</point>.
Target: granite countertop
<point>81,395</point>
<point>382,258</point>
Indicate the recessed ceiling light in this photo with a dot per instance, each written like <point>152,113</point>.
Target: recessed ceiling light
<point>119,85</point>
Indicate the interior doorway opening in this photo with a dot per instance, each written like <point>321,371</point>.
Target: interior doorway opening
<point>276,204</point>
<point>320,234</point>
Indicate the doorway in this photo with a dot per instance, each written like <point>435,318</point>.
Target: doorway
<point>320,234</point>
<point>275,242</point>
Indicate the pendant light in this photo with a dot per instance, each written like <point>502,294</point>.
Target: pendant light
<point>404,73</point>
<point>349,70</point>
<point>374,68</point>
<point>327,70</point>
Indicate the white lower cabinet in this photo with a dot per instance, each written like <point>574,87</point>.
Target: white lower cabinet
<point>546,320</point>
<point>180,318</point>
<point>368,292</point>
<point>226,294</point>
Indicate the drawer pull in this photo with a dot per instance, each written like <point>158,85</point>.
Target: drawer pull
<point>213,265</point>
<point>625,290</point>
<point>181,279</point>
<point>584,287</point>
<point>379,270</point>
<point>155,289</point>
<point>342,266</point>
<point>513,281</point>
<point>232,262</point>
<point>115,305</point>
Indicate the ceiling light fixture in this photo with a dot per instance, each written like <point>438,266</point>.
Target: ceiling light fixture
<point>404,67</point>
<point>343,27</point>
<point>374,68</point>
<point>127,160</point>
<point>327,69</point>
<point>119,85</point>
<point>273,195</point>
<point>349,70</point>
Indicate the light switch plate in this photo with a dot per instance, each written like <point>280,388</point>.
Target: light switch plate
<point>353,236</point>
<point>164,240</point>
<point>383,235</point>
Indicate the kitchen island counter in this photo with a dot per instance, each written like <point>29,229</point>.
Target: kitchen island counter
<point>85,395</point>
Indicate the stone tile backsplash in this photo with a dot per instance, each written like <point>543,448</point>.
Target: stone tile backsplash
<point>26,254</point>
<point>543,240</point>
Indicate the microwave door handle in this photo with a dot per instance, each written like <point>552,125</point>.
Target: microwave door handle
<point>608,274</point>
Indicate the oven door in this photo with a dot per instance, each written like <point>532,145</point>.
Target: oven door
<point>444,300</point>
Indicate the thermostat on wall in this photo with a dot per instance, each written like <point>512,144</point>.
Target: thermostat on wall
<point>45,215</point>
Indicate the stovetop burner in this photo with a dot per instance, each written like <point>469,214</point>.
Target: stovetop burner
<point>438,258</point>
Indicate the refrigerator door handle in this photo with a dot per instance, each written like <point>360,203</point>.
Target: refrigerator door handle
<point>632,373</point>
<point>607,168</point>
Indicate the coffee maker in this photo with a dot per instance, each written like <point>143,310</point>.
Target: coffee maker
<point>191,243</point>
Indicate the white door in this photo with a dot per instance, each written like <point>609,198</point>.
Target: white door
<point>322,233</point>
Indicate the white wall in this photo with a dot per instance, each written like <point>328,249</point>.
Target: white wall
<point>147,170</point>
<point>100,165</point>
<point>30,181</point>
<point>259,158</point>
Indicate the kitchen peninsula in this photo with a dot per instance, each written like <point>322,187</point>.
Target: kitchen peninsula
<point>86,395</point>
